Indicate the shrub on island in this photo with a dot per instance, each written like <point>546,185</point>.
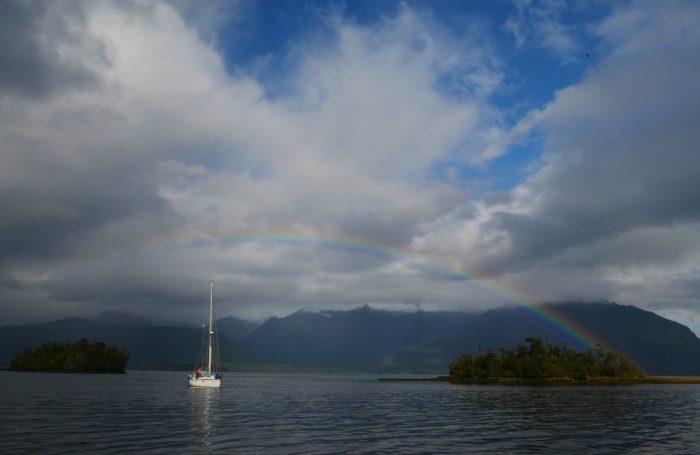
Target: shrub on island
<point>79,357</point>
<point>540,360</point>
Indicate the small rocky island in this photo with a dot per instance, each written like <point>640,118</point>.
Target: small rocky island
<point>79,357</point>
<point>539,362</point>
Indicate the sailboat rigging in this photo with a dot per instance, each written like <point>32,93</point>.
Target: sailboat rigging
<point>208,377</point>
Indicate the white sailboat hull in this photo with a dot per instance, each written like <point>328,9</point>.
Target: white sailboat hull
<point>203,381</point>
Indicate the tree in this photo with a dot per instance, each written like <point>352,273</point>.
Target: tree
<point>541,360</point>
<point>81,356</point>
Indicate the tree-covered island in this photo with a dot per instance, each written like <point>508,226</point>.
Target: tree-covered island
<point>79,357</point>
<point>539,362</point>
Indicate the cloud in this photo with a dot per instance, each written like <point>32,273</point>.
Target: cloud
<point>540,24</point>
<point>169,149</point>
<point>165,170</point>
<point>611,210</point>
<point>619,150</point>
<point>46,49</point>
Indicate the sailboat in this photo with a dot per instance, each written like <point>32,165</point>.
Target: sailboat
<point>206,377</point>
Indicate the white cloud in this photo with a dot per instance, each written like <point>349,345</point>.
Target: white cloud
<point>170,171</point>
<point>171,148</point>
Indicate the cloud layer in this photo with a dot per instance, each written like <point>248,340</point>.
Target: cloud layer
<point>136,165</point>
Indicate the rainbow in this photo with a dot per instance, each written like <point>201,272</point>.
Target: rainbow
<point>527,306</point>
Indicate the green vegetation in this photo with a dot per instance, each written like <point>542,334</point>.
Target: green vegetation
<point>79,357</point>
<point>543,361</point>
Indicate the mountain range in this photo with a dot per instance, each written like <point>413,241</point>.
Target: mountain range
<point>368,339</point>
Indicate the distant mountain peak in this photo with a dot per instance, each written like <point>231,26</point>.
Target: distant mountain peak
<point>364,307</point>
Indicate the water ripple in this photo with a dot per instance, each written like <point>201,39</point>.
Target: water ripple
<point>153,412</point>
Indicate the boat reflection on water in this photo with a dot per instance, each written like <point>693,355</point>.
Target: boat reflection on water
<point>202,406</point>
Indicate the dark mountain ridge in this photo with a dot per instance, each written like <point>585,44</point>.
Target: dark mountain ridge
<point>235,329</point>
<point>359,337</point>
<point>366,338</point>
<point>422,342</point>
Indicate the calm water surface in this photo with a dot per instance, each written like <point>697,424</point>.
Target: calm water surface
<point>285,413</point>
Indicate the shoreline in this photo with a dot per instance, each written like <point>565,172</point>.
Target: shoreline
<point>16,370</point>
<point>550,381</point>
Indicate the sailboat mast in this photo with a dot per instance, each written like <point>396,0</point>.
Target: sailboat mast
<point>211,311</point>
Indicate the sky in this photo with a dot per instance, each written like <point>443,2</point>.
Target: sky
<point>324,155</point>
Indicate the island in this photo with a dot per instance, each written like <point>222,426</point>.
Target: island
<point>79,357</point>
<point>540,363</point>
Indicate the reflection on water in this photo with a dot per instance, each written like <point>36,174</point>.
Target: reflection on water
<point>264,413</point>
<point>200,412</point>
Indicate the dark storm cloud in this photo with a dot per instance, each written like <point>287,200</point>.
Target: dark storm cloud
<point>170,285</point>
<point>657,246</point>
<point>502,197</point>
<point>128,290</point>
<point>30,61</point>
<point>50,217</point>
<point>621,152</point>
<point>66,172</point>
<point>7,281</point>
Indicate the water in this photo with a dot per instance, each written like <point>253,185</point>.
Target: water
<point>154,412</point>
